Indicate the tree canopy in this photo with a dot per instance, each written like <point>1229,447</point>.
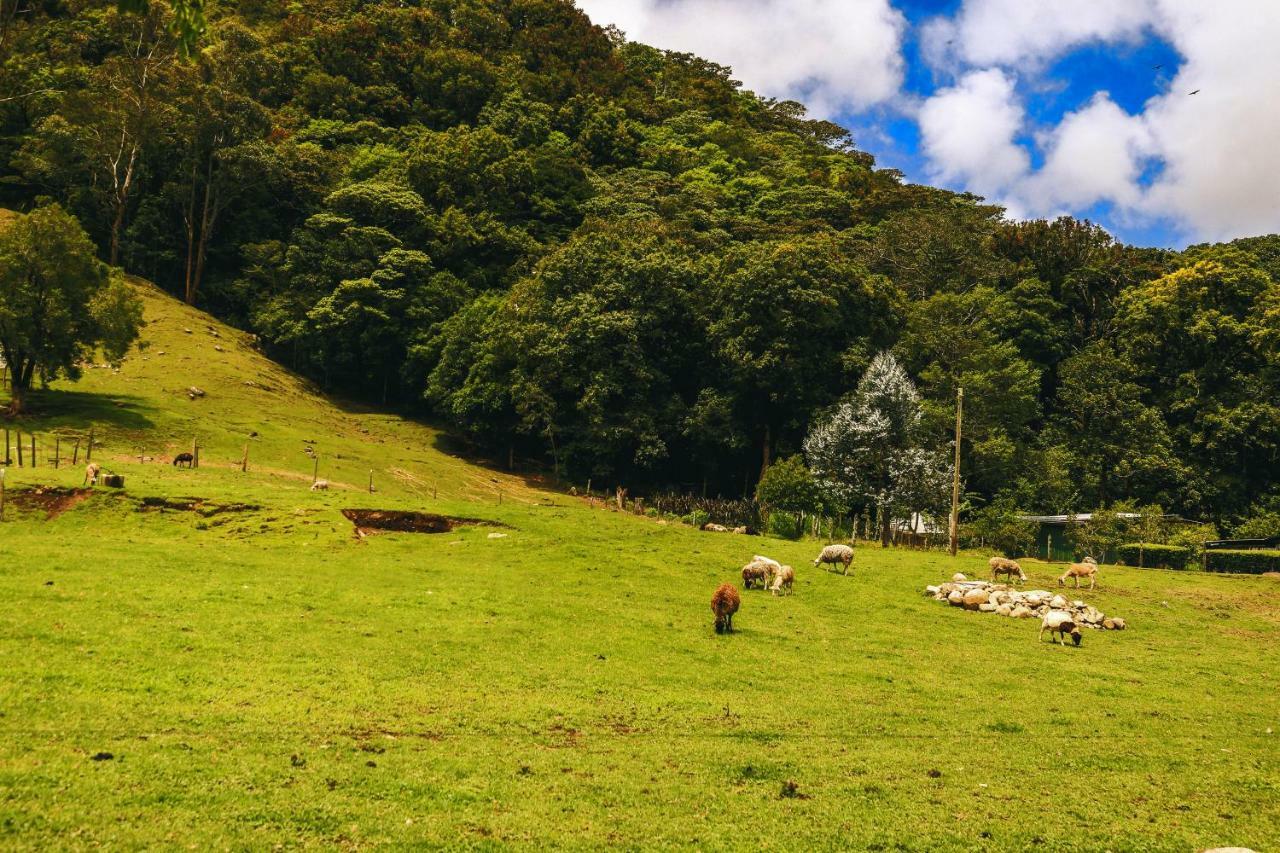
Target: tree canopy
<point>58,303</point>
<point>613,259</point>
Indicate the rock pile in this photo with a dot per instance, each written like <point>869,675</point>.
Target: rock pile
<point>1004,600</point>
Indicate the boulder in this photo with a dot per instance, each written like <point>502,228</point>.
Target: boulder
<point>932,590</point>
<point>1118,623</point>
<point>987,607</point>
<point>956,598</point>
<point>1058,603</point>
<point>1005,609</point>
<point>957,577</point>
<point>994,598</point>
<point>1021,612</point>
<point>974,597</point>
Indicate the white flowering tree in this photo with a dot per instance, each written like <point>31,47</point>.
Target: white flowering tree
<point>870,449</point>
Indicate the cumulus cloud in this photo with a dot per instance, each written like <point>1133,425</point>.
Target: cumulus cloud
<point>1216,164</point>
<point>835,56</point>
<point>968,130</point>
<point>1016,32</point>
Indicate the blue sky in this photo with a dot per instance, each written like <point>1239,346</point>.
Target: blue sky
<point>1045,106</point>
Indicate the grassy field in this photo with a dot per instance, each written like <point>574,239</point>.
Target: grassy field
<point>261,676</point>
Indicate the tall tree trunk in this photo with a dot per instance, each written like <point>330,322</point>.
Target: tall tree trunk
<point>764,452</point>
<point>885,526</point>
<point>208,213</point>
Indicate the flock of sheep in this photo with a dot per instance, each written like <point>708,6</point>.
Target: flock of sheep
<point>767,573</point>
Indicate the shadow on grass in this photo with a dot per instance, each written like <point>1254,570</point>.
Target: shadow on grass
<point>76,410</point>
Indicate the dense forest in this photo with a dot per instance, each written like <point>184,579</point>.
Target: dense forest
<point>611,259</point>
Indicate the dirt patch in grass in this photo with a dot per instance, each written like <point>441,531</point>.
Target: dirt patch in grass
<point>369,521</point>
<point>200,506</point>
<point>53,501</point>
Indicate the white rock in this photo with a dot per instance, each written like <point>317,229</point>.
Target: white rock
<point>1021,612</point>
<point>497,536</point>
<point>957,577</point>
<point>956,598</point>
<point>987,607</point>
<point>1005,609</point>
<point>1058,602</point>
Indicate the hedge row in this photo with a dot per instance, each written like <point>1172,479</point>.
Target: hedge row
<point>1242,562</point>
<point>1153,556</point>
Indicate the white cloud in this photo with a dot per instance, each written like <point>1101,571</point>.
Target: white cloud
<point>835,56</point>
<point>968,130</point>
<point>1217,160</point>
<point>1094,154</point>
<point>1017,32</point>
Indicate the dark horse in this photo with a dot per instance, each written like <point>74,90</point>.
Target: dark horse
<point>183,457</point>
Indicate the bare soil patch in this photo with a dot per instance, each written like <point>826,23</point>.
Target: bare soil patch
<point>51,500</point>
<point>369,521</point>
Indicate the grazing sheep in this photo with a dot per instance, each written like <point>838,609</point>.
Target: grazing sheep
<point>836,554</point>
<point>1087,569</point>
<point>183,457</point>
<point>91,472</point>
<point>742,531</point>
<point>320,486</point>
<point>724,604</point>
<point>755,573</point>
<point>1060,622</point>
<point>712,527</point>
<point>785,579</point>
<point>1002,566</point>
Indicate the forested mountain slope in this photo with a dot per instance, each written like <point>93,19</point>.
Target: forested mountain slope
<point>613,257</point>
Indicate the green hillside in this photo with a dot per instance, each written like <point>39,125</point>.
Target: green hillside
<point>241,671</point>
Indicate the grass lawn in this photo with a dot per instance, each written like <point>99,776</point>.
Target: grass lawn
<point>262,676</point>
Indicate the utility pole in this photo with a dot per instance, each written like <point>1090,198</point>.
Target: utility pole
<point>955,477</point>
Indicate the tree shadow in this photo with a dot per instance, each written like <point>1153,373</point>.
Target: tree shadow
<point>51,409</point>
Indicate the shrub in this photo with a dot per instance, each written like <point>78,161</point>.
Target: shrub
<point>998,526</point>
<point>785,525</point>
<point>1242,562</point>
<point>697,518</point>
<point>1151,555</point>
<point>787,486</point>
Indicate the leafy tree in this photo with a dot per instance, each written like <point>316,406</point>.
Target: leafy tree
<point>870,448</point>
<point>57,301</point>
<point>1121,445</point>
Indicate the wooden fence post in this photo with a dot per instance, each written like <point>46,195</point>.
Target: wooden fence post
<point>1,494</point>
<point>370,481</point>
<point>57,452</point>
<point>75,454</point>
<point>33,450</point>
<point>315,469</point>
<point>19,448</point>
<point>244,460</point>
<point>195,453</point>
<point>6,446</point>
<point>88,450</point>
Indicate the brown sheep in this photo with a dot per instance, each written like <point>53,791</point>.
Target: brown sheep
<point>1002,566</point>
<point>91,472</point>
<point>1087,569</point>
<point>724,604</point>
<point>712,527</point>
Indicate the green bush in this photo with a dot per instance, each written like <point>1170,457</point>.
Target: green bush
<point>697,518</point>
<point>1151,555</point>
<point>1242,562</point>
<point>785,525</point>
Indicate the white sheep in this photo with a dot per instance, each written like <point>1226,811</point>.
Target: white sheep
<point>785,579</point>
<point>1060,622</point>
<point>320,486</point>
<point>836,554</point>
<point>91,472</point>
